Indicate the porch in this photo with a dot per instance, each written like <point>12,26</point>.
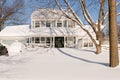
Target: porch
<point>51,42</point>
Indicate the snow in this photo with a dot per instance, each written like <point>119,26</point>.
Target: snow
<point>60,31</point>
<point>47,14</point>
<point>58,64</point>
<point>21,32</point>
<point>18,32</point>
<point>15,48</point>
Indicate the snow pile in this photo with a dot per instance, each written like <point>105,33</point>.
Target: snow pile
<point>15,48</point>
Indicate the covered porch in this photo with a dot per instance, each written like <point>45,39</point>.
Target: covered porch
<point>52,41</point>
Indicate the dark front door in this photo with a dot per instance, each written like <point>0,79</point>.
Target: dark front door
<point>59,42</point>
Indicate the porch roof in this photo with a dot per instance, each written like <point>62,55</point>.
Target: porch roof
<point>57,31</point>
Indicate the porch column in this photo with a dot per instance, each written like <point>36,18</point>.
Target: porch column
<point>45,41</point>
<point>53,42</point>
<point>28,41</point>
<point>64,42</point>
<point>33,40</point>
<point>82,42</point>
<point>50,42</point>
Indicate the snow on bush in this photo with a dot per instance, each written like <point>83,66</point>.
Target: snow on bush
<point>15,48</point>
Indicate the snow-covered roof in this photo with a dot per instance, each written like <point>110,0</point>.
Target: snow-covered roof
<point>47,14</point>
<point>58,31</point>
<point>23,31</point>
<point>14,32</point>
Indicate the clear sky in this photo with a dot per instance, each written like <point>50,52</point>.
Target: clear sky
<point>32,5</point>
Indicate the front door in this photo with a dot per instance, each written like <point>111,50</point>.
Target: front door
<point>59,42</point>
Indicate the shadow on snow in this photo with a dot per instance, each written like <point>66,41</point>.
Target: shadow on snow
<point>78,58</point>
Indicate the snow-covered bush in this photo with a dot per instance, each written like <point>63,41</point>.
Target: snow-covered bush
<point>3,50</point>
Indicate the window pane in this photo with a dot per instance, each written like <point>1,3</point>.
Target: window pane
<point>65,23</point>
<point>86,42</point>
<point>47,39</point>
<point>48,24</point>
<point>37,39</point>
<point>42,39</point>
<point>70,41</point>
<point>59,23</point>
<point>43,24</point>
<point>37,24</point>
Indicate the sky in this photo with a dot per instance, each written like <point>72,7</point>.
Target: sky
<point>32,5</point>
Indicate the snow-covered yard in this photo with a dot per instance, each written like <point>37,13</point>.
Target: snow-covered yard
<point>58,64</point>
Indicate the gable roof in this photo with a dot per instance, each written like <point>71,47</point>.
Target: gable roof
<point>47,13</point>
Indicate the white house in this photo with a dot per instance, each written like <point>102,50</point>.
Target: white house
<point>52,29</point>
<point>49,28</point>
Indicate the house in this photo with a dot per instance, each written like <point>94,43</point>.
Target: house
<point>49,28</point>
<point>52,29</point>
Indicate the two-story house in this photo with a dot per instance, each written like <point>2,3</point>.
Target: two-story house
<point>49,28</point>
<point>52,29</point>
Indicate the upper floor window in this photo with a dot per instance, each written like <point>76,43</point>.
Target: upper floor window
<point>43,23</point>
<point>65,23</point>
<point>48,23</point>
<point>59,23</point>
<point>53,23</point>
<point>37,24</point>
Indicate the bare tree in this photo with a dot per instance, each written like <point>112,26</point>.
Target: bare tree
<point>114,59</point>
<point>9,10</point>
<point>97,26</point>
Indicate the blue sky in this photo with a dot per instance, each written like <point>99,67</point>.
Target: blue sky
<point>31,5</point>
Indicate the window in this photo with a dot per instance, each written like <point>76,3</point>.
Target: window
<point>43,23</point>
<point>65,23</point>
<point>48,24</point>
<point>119,39</point>
<point>37,24</point>
<point>86,42</point>
<point>37,40</point>
<point>59,23</point>
<point>90,44</point>
<point>32,39</point>
<point>70,41</point>
<point>42,39</point>
<point>47,39</point>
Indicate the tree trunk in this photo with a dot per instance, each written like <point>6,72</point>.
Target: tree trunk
<point>0,25</point>
<point>98,45</point>
<point>114,59</point>
<point>98,49</point>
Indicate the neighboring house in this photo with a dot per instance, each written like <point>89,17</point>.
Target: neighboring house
<point>49,28</point>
